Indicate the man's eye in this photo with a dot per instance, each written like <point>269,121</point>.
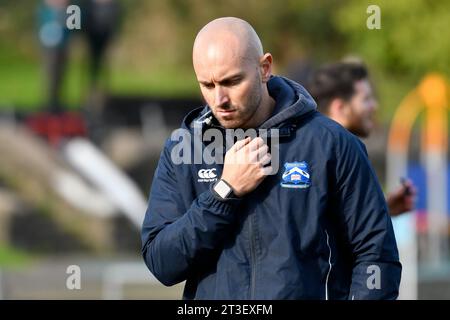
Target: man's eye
<point>234,82</point>
<point>208,85</point>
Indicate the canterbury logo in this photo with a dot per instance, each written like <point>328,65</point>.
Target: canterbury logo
<point>207,173</point>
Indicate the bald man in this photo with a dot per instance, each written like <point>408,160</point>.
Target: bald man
<point>236,225</point>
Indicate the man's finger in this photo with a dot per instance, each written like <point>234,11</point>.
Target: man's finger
<point>267,171</point>
<point>259,153</point>
<point>265,160</point>
<point>255,144</point>
<point>240,144</point>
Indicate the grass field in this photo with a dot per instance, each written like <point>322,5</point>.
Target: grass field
<point>11,257</point>
<point>23,85</point>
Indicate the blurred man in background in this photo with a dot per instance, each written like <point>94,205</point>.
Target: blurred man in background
<point>54,38</point>
<point>344,93</point>
<point>102,19</point>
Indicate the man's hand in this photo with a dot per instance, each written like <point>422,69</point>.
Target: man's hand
<point>402,200</point>
<point>244,165</point>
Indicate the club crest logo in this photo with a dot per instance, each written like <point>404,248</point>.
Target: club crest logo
<point>296,175</point>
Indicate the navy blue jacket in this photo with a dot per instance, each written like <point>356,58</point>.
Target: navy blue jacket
<point>318,229</point>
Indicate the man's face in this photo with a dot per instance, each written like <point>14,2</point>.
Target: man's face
<point>361,109</point>
<point>231,86</point>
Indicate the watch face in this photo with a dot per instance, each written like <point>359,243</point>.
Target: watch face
<point>222,189</point>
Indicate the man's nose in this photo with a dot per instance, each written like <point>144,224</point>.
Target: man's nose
<point>374,104</point>
<point>221,96</point>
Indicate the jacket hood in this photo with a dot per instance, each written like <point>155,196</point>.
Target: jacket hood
<point>292,102</point>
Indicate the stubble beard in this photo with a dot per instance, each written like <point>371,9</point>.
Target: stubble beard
<point>244,115</point>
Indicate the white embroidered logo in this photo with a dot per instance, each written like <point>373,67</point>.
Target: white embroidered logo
<point>207,175</point>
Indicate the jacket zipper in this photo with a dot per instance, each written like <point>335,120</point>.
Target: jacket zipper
<point>330,265</point>
<point>253,260</point>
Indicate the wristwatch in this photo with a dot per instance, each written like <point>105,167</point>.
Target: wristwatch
<point>223,189</point>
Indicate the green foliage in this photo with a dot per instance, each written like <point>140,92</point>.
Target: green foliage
<point>11,257</point>
<point>413,38</point>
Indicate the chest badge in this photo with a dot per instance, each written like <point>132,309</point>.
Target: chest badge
<point>296,175</point>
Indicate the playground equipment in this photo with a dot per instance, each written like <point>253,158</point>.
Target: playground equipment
<point>431,96</point>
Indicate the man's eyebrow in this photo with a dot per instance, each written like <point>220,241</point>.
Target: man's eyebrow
<point>205,83</point>
<point>232,77</point>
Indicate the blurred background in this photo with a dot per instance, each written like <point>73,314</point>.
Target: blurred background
<point>84,113</point>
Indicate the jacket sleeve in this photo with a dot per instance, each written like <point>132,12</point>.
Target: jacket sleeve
<point>178,237</point>
<point>366,224</point>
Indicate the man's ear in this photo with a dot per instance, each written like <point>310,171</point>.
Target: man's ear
<point>338,110</point>
<point>266,67</point>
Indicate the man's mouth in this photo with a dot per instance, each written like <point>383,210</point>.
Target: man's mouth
<point>226,112</point>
